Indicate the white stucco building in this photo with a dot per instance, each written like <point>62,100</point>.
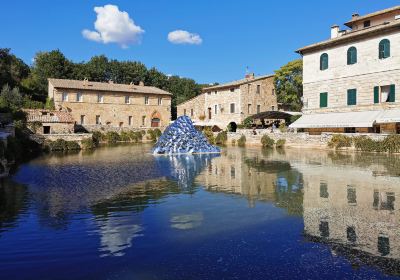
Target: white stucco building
<point>350,80</point>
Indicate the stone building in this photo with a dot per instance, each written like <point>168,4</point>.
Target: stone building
<point>94,104</point>
<point>232,102</point>
<point>350,80</point>
<point>41,121</point>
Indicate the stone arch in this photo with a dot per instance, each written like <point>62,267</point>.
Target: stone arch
<point>155,119</point>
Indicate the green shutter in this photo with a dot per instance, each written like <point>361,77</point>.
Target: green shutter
<point>387,48</point>
<point>323,99</point>
<point>376,95</point>
<point>392,93</point>
<point>351,97</point>
<point>381,50</point>
<point>384,49</point>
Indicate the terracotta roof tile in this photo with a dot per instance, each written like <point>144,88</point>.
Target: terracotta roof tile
<point>48,116</point>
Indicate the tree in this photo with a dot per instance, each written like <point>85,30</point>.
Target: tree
<point>10,99</point>
<point>289,84</point>
<point>12,69</point>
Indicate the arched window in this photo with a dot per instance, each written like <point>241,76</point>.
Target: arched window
<point>351,56</point>
<point>384,49</point>
<point>323,61</point>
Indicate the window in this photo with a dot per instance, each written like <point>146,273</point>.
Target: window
<point>146,100</point>
<point>258,90</point>
<point>79,97</point>
<point>130,120</point>
<point>323,99</point>
<point>232,89</point>
<point>324,229</point>
<point>272,108</point>
<point>248,108</point>
<point>100,98</point>
<point>143,120</point>
<point>367,23</point>
<point>215,92</point>
<point>323,61</point>
<point>215,109</point>
<point>233,172</point>
<point>383,201</point>
<point>384,94</point>
<point>98,120</point>
<point>258,109</point>
<point>383,245</point>
<point>323,190</point>
<point>64,96</point>
<point>160,101</point>
<point>351,195</point>
<point>232,108</point>
<point>127,100</point>
<point>351,97</point>
<point>191,112</point>
<point>82,119</point>
<point>184,112</point>
<point>351,56</point>
<point>351,234</point>
<point>384,49</point>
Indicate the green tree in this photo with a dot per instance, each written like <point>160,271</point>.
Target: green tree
<point>10,99</point>
<point>12,69</point>
<point>289,84</point>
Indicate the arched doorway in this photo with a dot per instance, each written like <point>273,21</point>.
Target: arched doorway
<point>155,119</point>
<point>232,127</point>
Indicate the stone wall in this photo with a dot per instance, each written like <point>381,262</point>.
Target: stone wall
<point>67,137</point>
<point>108,128</point>
<point>194,108</point>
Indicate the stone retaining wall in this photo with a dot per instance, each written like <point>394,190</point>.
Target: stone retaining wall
<point>108,128</point>
<point>67,137</point>
<point>297,140</point>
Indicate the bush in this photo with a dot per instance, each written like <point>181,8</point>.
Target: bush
<point>209,135</point>
<point>157,132</point>
<point>88,144</point>
<point>58,145</point>
<point>339,141</point>
<point>247,123</point>
<point>112,137</point>
<point>152,135</point>
<point>221,138</point>
<point>135,136</point>
<point>283,127</point>
<point>242,141</point>
<point>280,143</point>
<point>124,136</point>
<point>391,143</point>
<point>73,145</point>
<point>267,142</point>
<point>98,137</point>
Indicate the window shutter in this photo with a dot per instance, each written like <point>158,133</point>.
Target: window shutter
<point>381,50</point>
<point>387,48</point>
<point>323,99</point>
<point>351,97</point>
<point>349,57</point>
<point>376,94</point>
<point>392,93</point>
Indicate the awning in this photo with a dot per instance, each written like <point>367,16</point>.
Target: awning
<point>389,116</point>
<point>334,120</point>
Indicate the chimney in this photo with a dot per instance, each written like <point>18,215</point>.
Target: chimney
<point>335,31</point>
<point>354,16</point>
<point>141,83</point>
<point>249,76</point>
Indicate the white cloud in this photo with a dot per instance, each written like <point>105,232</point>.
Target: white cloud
<point>184,37</point>
<point>114,26</point>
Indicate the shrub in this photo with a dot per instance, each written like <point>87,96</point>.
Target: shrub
<point>58,145</point>
<point>97,137</point>
<point>152,135</point>
<point>221,138</point>
<point>202,117</point>
<point>157,132</point>
<point>73,145</point>
<point>242,141</point>
<point>339,141</point>
<point>391,144</point>
<point>283,127</point>
<point>366,144</point>
<point>233,142</point>
<point>88,144</point>
<point>135,136</point>
<point>124,136</point>
<point>280,143</point>
<point>112,137</point>
<point>247,123</point>
<point>267,142</point>
<point>209,135</point>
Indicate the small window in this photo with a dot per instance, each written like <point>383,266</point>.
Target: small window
<point>98,120</point>
<point>351,56</point>
<point>232,108</point>
<point>248,108</point>
<point>82,119</point>
<point>146,100</point>
<point>233,172</point>
<point>323,61</point>
<point>143,120</point>
<point>367,23</point>
<point>184,112</point>
<point>258,109</point>
<point>79,97</point>
<point>160,101</point>
<point>385,94</point>
<point>215,109</point>
<point>272,108</point>
<point>258,90</point>
<point>130,120</point>
<point>351,234</point>
<point>232,89</point>
<point>351,195</point>
<point>324,229</point>
<point>323,190</point>
<point>323,99</point>
<point>64,96</point>
<point>352,97</point>
<point>127,100</point>
<point>215,92</point>
<point>100,98</point>
<point>191,112</point>
<point>383,245</point>
<point>384,49</point>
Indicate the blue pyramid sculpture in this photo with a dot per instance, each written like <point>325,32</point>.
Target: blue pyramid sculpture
<point>182,137</point>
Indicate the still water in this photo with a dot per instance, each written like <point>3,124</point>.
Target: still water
<point>121,213</point>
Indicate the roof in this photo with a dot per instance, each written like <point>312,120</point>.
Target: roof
<point>48,116</point>
<point>381,12</point>
<point>89,85</point>
<point>335,120</point>
<point>191,99</point>
<point>277,115</point>
<point>353,35</point>
<point>238,82</point>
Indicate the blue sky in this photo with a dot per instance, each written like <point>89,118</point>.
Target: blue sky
<point>262,35</point>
